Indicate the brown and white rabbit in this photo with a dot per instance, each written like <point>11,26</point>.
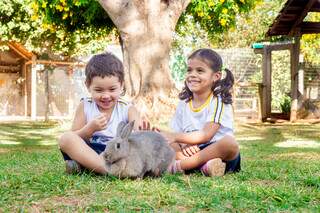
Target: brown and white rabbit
<point>137,154</point>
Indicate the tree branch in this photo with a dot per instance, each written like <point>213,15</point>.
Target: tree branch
<point>115,9</point>
<point>113,6</point>
<point>153,7</point>
<point>174,10</point>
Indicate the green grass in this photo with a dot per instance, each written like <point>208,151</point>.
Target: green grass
<point>274,178</point>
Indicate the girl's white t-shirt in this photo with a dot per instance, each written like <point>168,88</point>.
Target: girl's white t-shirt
<point>120,113</point>
<point>188,119</point>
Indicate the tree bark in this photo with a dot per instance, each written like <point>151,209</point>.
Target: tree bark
<point>147,64</point>
<point>146,29</point>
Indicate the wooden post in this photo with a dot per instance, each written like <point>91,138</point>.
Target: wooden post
<point>266,88</point>
<point>28,82</point>
<point>46,92</point>
<point>33,89</point>
<point>268,83</point>
<point>295,52</point>
<point>261,101</point>
<point>24,91</point>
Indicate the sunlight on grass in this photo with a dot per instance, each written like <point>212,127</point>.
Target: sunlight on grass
<point>298,144</point>
<point>299,155</point>
<point>48,142</point>
<point>249,138</point>
<point>8,142</point>
<point>242,147</point>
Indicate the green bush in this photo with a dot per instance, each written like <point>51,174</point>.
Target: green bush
<point>178,67</point>
<point>285,104</point>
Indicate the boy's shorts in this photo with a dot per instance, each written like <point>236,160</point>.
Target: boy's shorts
<point>231,165</point>
<point>97,147</point>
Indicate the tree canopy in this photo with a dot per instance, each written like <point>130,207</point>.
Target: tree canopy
<point>21,21</point>
<point>65,25</point>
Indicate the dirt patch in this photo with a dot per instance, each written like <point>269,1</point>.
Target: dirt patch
<point>270,183</point>
<point>59,203</point>
<point>3,150</point>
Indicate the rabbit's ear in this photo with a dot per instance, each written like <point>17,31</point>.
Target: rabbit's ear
<point>120,127</point>
<point>127,130</point>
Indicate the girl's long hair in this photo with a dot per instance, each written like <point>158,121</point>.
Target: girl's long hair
<point>221,87</point>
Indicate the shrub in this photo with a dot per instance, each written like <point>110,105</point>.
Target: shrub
<point>285,104</point>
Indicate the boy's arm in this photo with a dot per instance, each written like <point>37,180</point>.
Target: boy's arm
<point>197,137</point>
<point>79,124</point>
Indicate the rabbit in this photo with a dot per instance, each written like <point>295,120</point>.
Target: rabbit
<point>137,154</point>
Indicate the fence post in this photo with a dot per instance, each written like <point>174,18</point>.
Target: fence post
<point>262,108</point>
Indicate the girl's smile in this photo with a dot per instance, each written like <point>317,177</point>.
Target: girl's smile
<point>200,77</point>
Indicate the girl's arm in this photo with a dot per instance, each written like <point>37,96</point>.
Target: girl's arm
<point>79,124</point>
<point>134,115</point>
<point>139,122</point>
<point>197,137</point>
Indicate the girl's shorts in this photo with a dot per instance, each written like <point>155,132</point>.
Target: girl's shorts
<point>231,165</point>
<point>97,147</point>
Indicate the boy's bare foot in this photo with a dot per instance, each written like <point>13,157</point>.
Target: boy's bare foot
<point>214,168</point>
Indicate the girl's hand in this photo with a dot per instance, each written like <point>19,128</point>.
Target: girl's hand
<point>190,150</point>
<point>99,123</point>
<point>146,126</point>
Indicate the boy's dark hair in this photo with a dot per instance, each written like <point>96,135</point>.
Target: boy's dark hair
<point>221,87</point>
<point>105,64</point>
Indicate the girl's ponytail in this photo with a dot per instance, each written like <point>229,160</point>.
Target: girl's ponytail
<point>223,87</point>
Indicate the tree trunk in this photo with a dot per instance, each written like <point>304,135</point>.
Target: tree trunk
<point>146,29</point>
<point>147,64</point>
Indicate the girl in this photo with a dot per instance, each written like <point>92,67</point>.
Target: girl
<point>203,121</point>
<point>97,118</point>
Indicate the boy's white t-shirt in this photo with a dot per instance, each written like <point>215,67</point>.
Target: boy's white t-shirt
<point>119,113</point>
<point>187,119</point>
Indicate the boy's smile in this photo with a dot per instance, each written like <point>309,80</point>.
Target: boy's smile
<point>105,91</point>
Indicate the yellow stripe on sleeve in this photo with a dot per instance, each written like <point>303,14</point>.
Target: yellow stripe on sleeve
<point>215,109</point>
<point>218,110</point>
<point>122,101</point>
<point>221,113</point>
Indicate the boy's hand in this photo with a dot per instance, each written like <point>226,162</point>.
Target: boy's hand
<point>190,150</point>
<point>99,123</point>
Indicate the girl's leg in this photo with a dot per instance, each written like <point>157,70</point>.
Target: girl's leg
<point>78,150</point>
<point>225,149</point>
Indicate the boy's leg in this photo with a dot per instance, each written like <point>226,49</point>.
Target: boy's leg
<point>225,149</point>
<point>78,150</point>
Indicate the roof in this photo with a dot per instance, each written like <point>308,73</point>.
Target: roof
<point>290,19</point>
<point>20,50</point>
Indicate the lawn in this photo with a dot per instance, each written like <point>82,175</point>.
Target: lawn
<point>281,172</point>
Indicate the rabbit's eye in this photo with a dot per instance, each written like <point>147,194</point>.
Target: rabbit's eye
<point>118,145</point>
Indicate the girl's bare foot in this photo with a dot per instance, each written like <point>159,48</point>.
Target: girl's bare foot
<point>214,168</point>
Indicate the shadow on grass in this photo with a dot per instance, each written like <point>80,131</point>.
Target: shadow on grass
<point>25,134</point>
<point>275,133</point>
